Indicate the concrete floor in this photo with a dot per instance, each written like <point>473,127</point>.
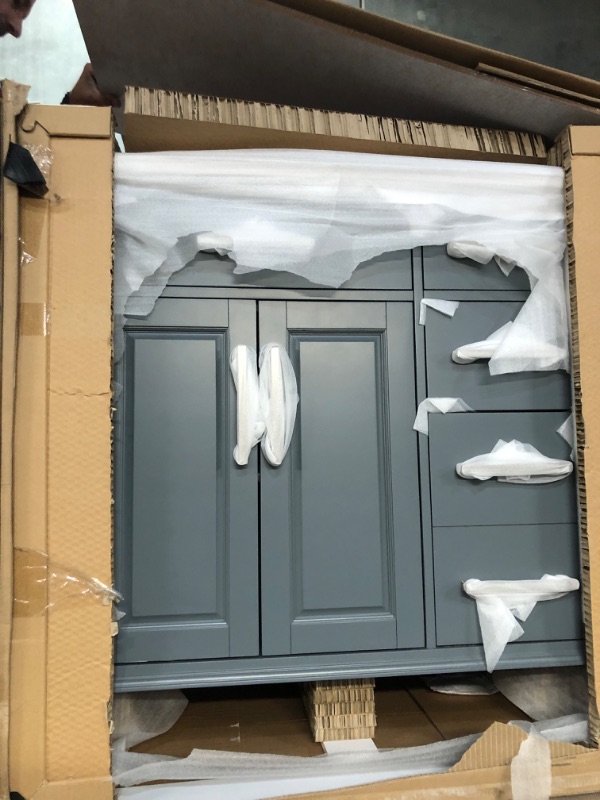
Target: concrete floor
<point>553,32</point>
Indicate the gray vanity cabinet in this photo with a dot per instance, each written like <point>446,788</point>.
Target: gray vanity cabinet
<point>347,560</point>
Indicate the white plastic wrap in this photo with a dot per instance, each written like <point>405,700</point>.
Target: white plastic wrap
<point>501,603</point>
<point>437,405</point>
<point>278,400</point>
<point>447,307</point>
<point>567,432</point>
<point>319,214</point>
<point>514,462</point>
<point>250,422</point>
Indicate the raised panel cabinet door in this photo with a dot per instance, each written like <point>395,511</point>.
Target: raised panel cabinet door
<point>340,523</point>
<point>187,515</point>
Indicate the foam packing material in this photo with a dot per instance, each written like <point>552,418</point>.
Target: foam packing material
<point>514,462</point>
<point>130,769</point>
<point>501,603</point>
<point>266,402</point>
<point>250,422</point>
<point>319,214</point>
<point>447,307</point>
<point>278,392</point>
<point>469,353</point>
<point>437,405</point>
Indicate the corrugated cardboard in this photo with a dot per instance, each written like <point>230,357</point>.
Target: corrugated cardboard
<point>321,54</point>
<point>61,659</point>
<point>156,120</point>
<point>14,99</point>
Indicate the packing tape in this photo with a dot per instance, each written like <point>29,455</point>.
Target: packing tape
<point>40,584</point>
<point>34,319</point>
<point>531,770</point>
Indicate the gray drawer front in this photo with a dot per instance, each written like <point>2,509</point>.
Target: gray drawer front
<point>457,501</point>
<point>474,322</point>
<point>391,271</point>
<point>523,552</point>
<point>442,272</point>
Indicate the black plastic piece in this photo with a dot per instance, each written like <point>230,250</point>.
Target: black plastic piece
<point>20,168</point>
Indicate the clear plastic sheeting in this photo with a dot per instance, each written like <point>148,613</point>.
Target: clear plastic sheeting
<point>250,422</point>
<point>320,214</point>
<point>41,584</point>
<point>514,462</point>
<point>447,307</point>
<point>468,353</point>
<point>501,603</point>
<point>278,400</point>
<point>437,405</point>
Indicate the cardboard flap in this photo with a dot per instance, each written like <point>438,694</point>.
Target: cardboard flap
<point>306,54</point>
<point>500,744</point>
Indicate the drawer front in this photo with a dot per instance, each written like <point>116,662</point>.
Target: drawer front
<point>454,438</point>
<point>391,271</point>
<point>474,322</point>
<point>522,552</point>
<point>442,272</point>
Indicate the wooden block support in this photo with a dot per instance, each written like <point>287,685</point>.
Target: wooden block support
<point>340,710</point>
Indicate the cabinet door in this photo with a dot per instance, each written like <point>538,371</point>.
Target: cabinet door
<point>340,524</point>
<point>187,516</point>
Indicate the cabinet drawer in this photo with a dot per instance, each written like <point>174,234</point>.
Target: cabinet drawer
<point>522,552</point>
<point>474,322</point>
<point>454,438</point>
<point>390,271</point>
<point>442,272</point>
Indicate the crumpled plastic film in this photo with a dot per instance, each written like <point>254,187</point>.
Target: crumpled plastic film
<point>319,214</point>
<point>447,307</point>
<point>468,353</point>
<point>514,462</point>
<point>40,583</point>
<point>279,400</point>
<point>437,405</point>
<point>501,603</point>
<point>24,257</point>
<point>250,421</point>
<point>43,157</point>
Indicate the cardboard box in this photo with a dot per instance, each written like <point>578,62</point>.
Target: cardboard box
<point>55,454</point>
<point>59,472</point>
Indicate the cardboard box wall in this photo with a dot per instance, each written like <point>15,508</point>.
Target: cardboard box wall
<point>61,657</point>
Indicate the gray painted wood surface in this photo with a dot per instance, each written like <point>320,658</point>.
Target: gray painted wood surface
<point>188,536</point>
<point>340,532</point>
